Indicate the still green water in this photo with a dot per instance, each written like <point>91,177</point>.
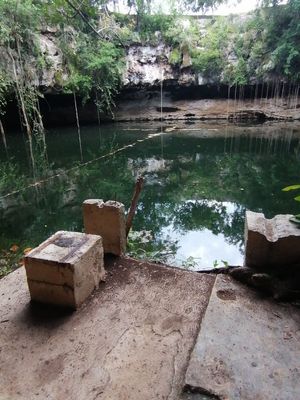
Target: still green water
<point>199,180</point>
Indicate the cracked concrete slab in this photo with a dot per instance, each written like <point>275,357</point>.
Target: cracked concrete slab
<point>196,396</point>
<point>131,340</point>
<point>248,347</point>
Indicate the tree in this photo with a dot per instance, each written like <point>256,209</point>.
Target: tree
<point>200,5</point>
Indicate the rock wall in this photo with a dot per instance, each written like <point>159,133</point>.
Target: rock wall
<point>150,105</point>
<point>146,66</point>
<point>153,89</point>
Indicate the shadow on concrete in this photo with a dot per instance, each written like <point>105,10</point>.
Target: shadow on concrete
<point>45,315</point>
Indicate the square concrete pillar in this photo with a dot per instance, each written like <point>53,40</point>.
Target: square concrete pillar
<point>65,269</point>
<point>106,219</point>
<point>271,242</point>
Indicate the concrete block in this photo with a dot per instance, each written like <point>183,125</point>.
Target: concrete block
<point>106,219</point>
<point>247,347</point>
<point>65,269</point>
<point>271,242</point>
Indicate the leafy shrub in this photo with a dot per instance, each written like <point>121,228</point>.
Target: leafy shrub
<point>175,56</point>
<point>209,57</point>
<point>296,218</point>
<point>95,66</point>
<point>11,177</point>
<point>182,33</point>
<point>208,62</point>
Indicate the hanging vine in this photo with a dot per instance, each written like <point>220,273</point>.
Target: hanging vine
<point>20,45</point>
<point>5,84</point>
<point>94,68</point>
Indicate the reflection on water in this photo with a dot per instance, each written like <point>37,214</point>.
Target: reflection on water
<point>198,183</point>
<point>203,245</point>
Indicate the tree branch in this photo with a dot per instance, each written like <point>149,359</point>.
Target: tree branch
<point>134,201</point>
<point>83,17</point>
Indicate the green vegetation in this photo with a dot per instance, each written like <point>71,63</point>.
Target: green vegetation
<point>175,57</point>
<point>11,177</point>
<point>5,85</point>
<point>268,44</point>
<point>263,46</point>
<point>282,37</point>
<point>11,259</point>
<point>142,245</point>
<point>235,50</point>
<point>19,41</point>
<point>93,40</point>
<point>296,217</point>
<point>210,56</point>
<point>94,70</point>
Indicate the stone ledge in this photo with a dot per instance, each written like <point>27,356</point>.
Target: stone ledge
<point>247,348</point>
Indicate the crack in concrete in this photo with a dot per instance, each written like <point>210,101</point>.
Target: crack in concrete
<point>102,390</point>
<point>98,394</point>
<point>178,331</point>
<point>116,343</point>
<point>174,369</point>
<point>200,390</point>
<point>198,329</point>
<point>108,380</point>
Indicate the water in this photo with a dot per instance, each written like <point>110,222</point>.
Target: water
<point>199,180</point>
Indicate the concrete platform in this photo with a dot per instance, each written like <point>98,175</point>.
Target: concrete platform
<point>131,340</point>
<point>248,347</point>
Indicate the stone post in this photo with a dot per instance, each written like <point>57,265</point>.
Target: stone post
<point>65,269</point>
<point>271,242</point>
<point>106,219</point>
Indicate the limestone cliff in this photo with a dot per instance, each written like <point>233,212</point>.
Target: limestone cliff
<point>146,66</point>
<point>154,89</point>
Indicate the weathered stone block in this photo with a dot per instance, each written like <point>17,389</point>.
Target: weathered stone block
<point>106,219</point>
<point>65,269</point>
<point>271,242</point>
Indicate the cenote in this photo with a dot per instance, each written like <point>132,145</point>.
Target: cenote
<point>199,180</point>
